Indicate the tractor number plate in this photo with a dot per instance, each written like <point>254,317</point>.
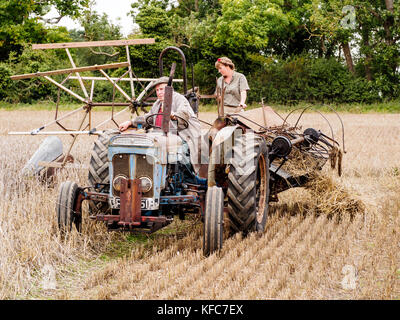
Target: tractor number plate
<point>146,203</point>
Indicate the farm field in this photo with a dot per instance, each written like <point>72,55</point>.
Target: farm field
<point>301,255</point>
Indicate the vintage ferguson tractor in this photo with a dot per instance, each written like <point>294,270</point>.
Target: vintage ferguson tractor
<point>140,180</point>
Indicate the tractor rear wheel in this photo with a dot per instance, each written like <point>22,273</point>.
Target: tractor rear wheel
<point>213,221</point>
<point>248,185</point>
<point>98,169</point>
<point>65,207</point>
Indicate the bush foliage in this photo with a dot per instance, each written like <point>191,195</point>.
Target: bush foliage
<point>290,51</point>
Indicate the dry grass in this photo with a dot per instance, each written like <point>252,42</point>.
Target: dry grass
<point>301,255</point>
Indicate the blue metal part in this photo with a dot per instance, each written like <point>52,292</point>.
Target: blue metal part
<point>159,171</point>
<point>201,181</point>
<point>171,200</point>
<point>170,178</point>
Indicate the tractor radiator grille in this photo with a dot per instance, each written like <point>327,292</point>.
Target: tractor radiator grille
<point>142,169</point>
<point>120,166</point>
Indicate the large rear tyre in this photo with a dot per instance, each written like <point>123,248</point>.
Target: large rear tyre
<point>248,185</point>
<point>98,170</point>
<point>213,221</point>
<point>67,217</point>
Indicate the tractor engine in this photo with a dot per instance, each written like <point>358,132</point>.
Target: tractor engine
<point>150,174</point>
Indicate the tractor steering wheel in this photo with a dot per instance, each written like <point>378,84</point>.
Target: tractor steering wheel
<point>151,125</point>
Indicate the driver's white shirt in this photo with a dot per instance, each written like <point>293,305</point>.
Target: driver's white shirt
<point>192,135</point>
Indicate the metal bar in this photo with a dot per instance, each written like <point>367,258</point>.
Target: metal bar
<point>77,74</point>
<point>263,111</point>
<point>70,70</point>
<point>130,208</point>
<point>105,121</point>
<point>113,97</point>
<point>63,117</point>
<point>91,90</point>
<point>58,95</point>
<point>91,99</point>
<point>128,58</point>
<point>141,95</point>
<point>88,44</point>
<point>205,122</point>
<point>59,165</point>
<point>124,79</point>
<point>74,139</point>
<point>109,104</point>
<point>109,217</point>
<point>65,89</point>
<point>297,140</point>
<point>180,52</point>
<point>116,86</point>
<point>16,133</point>
<point>168,91</point>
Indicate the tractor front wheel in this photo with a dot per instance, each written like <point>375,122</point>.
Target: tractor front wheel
<point>98,170</point>
<point>213,221</point>
<point>67,215</point>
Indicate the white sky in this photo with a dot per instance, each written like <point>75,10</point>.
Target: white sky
<point>113,8</point>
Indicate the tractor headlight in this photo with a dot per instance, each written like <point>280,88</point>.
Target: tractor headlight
<point>145,184</point>
<point>117,182</point>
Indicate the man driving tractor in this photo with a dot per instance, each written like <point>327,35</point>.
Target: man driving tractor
<point>188,125</point>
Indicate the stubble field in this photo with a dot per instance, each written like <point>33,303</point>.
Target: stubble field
<point>301,255</point>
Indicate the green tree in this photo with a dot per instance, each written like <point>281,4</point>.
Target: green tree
<point>373,28</point>
<point>22,21</point>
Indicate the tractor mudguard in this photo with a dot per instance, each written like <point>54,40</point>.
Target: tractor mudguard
<point>223,135</point>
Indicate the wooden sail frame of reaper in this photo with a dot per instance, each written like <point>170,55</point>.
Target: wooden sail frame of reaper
<point>86,126</point>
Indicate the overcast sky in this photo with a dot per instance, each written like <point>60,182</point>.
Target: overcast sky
<point>114,8</point>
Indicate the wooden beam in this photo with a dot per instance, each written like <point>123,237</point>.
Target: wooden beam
<point>116,86</point>
<point>128,59</point>
<point>66,89</point>
<point>70,70</point>
<point>121,79</point>
<point>77,74</point>
<point>87,44</point>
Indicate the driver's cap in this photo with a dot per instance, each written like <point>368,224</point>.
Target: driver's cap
<point>160,80</point>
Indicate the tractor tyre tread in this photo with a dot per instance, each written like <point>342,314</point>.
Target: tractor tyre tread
<point>242,187</point>
<point>213,221</point>
<point>66,216</point>
<point>98,168</point>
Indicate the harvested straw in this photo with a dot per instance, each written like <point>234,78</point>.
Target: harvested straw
<point>332,199</point>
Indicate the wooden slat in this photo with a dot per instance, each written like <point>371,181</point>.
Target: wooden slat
<point>117,86</point>
<point>77,74</point>
<point>70,70</point>
<point>87,44</point>
<point>65,89</point>
<point>120,79</point>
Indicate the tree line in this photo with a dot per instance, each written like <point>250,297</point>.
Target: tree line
<point>319,51</point>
